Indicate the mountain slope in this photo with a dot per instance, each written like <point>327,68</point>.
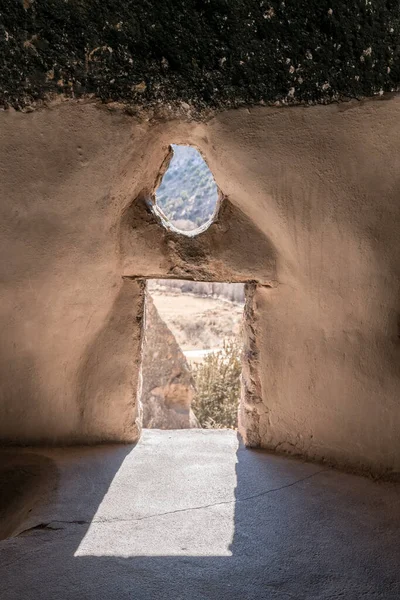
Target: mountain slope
<point>188,193</point>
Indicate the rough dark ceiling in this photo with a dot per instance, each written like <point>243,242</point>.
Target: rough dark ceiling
<point>205,53</point>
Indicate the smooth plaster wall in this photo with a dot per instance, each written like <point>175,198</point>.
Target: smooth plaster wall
<point>323,184</point>
<point>70,325</point>
<point>320,183</point>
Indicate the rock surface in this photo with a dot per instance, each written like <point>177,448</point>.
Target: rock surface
<point>168,387</point>
<point>197,54</point>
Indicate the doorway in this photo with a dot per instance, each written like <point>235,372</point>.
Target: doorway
<point>192,354</point>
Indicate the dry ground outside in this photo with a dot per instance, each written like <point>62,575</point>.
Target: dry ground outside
<point>198,323</point>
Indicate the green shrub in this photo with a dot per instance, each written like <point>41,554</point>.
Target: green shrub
<point>217,381</point>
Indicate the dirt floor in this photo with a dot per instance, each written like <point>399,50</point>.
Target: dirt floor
<point>198,323</point>
<point>193,515</point>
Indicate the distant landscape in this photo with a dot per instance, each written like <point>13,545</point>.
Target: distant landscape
<point>234,292</point>
<point>198,322</point>
<point>208,329</point>
<point>188,193</point>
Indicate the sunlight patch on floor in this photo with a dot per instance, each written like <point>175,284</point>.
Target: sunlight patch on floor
<point>165,505</point>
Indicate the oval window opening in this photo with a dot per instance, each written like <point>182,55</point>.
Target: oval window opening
<point>187,197</point>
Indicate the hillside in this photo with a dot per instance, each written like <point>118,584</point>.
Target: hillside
<point>198,322</point>
<point>188,193</point>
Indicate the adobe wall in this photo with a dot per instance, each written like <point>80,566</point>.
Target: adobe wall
<point>77,240</point>
<point>318,184</point>
<point>323,185</point>
<point>70,325</point>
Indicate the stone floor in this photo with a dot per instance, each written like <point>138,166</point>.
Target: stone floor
<point>190,515</point>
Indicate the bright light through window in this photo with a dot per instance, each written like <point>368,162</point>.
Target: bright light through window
<point>188,195</point>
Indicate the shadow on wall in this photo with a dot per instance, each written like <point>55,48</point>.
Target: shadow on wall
<point>113,533</point>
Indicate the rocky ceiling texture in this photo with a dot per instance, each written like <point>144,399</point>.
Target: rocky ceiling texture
<point>197,54</point>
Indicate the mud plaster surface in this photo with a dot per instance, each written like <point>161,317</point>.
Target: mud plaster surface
<point>319,188</point>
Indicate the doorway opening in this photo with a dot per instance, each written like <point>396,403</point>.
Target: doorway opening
<point>192,354</point>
